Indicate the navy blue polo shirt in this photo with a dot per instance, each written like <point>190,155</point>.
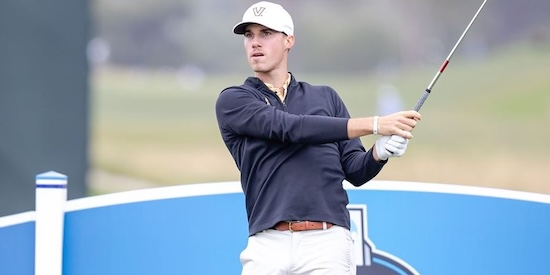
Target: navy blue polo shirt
<point>293,156</point>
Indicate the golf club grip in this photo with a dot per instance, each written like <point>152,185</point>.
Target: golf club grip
<point>421,100</point>
<point>419,104</point>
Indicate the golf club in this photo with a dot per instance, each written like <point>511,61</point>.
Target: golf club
<point>444,65</point>
<point>446,62</point>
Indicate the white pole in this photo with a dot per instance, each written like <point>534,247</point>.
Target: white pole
<point>51,195</point>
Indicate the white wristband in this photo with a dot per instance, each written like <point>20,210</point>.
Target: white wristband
<point>375,125</point>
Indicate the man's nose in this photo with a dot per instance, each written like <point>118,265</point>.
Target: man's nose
<point>256,42</point>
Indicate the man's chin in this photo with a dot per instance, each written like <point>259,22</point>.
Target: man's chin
<point>259,70</point>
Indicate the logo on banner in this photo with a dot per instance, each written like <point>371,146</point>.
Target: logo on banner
<point>371,261</point>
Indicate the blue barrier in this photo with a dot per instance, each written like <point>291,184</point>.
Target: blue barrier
<point>399,228</point>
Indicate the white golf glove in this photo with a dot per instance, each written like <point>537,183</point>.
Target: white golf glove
<point>391,146</point>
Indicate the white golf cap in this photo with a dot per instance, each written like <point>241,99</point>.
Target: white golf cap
<point>268,14</point>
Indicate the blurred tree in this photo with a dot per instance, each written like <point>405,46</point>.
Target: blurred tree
<point>143,33</point>
<point>331,35</point>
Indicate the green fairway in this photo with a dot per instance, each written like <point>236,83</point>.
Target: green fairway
<point>486,123</point>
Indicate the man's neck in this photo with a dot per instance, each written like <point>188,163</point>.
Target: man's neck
<point>277,79</point>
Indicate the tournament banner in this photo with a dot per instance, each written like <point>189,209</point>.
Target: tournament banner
<point>400,228</point>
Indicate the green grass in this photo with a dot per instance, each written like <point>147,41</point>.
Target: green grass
<point>145,125</point>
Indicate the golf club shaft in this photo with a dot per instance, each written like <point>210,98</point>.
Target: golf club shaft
<point>446,62</point>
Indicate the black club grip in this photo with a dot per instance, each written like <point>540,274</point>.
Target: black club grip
<point>421,100</point>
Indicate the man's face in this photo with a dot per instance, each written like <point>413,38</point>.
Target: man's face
<point>265,48</point>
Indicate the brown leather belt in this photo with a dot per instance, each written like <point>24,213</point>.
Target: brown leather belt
<point>302,226</point>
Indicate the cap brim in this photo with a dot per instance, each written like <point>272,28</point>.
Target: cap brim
<point>240,28</point>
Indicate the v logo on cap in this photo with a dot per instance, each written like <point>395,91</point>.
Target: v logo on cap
<point>258,11</point>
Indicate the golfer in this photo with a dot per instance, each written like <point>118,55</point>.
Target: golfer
<point>294,144</point>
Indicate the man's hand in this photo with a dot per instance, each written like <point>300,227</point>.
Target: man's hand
<point>400,123</point>
<point>390,146</point>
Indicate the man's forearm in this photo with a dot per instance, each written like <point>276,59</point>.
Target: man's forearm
<point>358,127</point>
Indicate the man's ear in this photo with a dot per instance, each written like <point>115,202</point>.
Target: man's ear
<point>289,41</point>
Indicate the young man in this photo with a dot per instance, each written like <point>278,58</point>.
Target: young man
<point>294,144</point>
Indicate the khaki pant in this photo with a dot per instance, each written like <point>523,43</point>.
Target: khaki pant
<point>313,252</point>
